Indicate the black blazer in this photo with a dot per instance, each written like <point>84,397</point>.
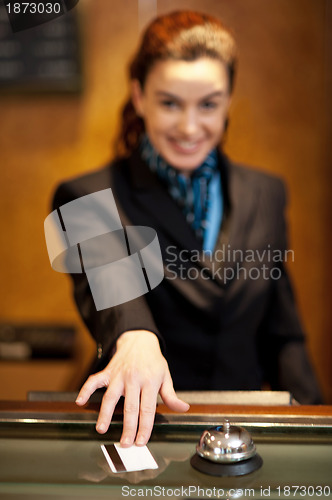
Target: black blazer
<point>225,324</point>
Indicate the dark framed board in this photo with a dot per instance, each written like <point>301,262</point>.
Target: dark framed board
<point>41,59</point>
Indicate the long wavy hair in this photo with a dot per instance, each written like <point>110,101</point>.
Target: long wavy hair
<point>180,35</point>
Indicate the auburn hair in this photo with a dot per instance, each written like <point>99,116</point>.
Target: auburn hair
<point>180,35</point>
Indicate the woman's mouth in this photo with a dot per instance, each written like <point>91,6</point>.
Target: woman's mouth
<point>186,146</point>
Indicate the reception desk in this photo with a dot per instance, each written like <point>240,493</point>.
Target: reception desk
<point>50,450</point>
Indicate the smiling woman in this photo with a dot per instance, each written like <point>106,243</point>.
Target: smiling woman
<point>184,106</point>
<point>170,173</point>
<point>184,38</point>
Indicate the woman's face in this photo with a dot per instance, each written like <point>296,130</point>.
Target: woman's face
<point>184,106</point>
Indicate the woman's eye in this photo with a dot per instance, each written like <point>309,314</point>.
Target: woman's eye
<point>209,105</point>
<point>167,103</point>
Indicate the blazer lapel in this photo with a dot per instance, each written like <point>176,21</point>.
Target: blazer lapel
<point>240,202</point>
<point>154,199</point>
<point>243,199</point>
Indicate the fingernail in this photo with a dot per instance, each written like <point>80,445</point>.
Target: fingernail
<point>101,427</point>
<point>140,441</point>
<point>79,400</point>
<point>125,441</point>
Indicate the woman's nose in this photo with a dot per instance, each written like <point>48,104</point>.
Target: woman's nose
<point>188,122</point>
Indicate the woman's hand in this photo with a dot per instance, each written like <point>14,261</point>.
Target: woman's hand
<point>138,371</point>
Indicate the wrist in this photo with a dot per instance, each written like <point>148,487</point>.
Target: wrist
<point>134,335</point>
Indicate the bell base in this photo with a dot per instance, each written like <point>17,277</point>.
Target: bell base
<point>226,470</point>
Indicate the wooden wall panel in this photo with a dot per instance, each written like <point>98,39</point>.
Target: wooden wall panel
<point>279,122</point>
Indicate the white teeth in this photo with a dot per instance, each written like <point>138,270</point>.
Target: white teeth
<point>186,144</point>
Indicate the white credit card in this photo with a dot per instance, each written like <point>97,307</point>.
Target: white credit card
<point>129,459</point>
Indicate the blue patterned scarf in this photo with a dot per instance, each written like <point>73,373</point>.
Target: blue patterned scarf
<point>191,193</point>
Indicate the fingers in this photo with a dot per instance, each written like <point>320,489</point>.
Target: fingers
<point>130,415</point>
<point>110,399</point>
<point>170,398</point>
<point>93,383</point>
<point>146,414</point>
<point>128,374</point>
